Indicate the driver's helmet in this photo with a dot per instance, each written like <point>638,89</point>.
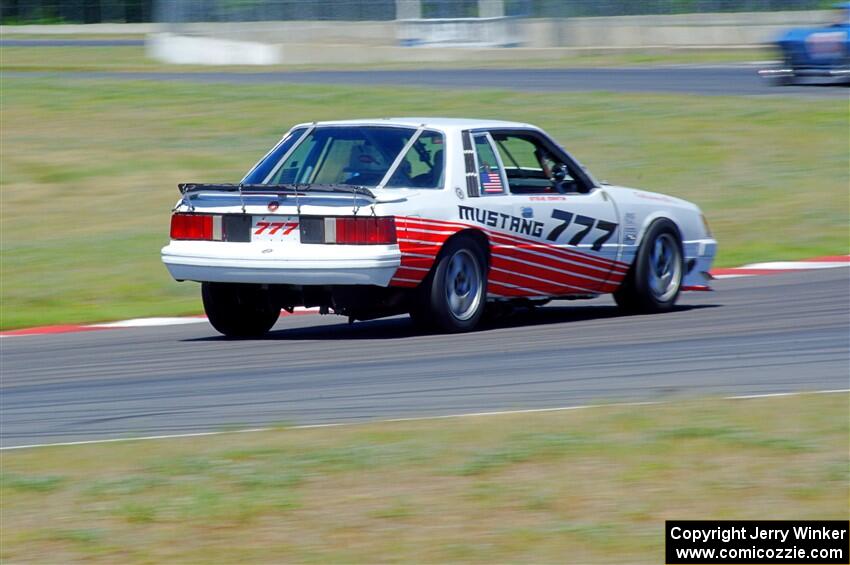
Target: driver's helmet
<point>366,158</point>
<point>366,164</point>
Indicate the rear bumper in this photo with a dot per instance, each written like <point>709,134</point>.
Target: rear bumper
<point>248,263</point>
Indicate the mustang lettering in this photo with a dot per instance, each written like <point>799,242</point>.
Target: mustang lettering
<point>501,220</point>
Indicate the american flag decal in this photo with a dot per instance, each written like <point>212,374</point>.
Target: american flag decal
<point>491,182</point>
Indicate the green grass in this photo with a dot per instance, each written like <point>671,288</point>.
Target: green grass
<point>88,171</point>
<point>595,485</point>
<point>133,58</point>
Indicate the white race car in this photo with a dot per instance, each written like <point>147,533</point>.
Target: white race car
<point>435,217</point>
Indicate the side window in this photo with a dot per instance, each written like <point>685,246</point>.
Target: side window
<point>518,154</point>
<point>531,168</point>
<point>489,171</point>
<point>423,165</point>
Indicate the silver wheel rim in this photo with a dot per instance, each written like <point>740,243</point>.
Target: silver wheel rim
<point>665,268</point>
<point>463,285</point>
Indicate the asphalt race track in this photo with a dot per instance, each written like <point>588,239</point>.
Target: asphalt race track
<point>754,335</point>
<point>680,79</point>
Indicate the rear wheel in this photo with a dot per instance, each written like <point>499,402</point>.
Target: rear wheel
<point>239,310</point>
<point>453,296</point>
<point>655,278</point>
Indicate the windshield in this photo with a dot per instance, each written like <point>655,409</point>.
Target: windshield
<point>367,156</point>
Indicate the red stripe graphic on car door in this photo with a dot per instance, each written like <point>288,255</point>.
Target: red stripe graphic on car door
<point>521,266</point>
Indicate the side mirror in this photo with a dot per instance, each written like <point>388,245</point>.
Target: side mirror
<point>559,173</point>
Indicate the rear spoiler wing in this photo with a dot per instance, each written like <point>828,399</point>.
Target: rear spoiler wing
<point>187,189</point>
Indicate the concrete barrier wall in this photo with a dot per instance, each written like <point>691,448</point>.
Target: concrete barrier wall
<point>463,32</point>
<point>319,32</point>
<point>201,50</point>
<point>693,30</point>
<point>196,50</point>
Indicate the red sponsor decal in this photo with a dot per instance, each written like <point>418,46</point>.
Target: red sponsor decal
<point>275,227</point>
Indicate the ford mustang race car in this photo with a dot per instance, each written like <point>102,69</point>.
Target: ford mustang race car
<point>818,54</point>
<point>439,218</point>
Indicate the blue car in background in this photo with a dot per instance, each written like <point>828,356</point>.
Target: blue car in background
<point>815,55</point>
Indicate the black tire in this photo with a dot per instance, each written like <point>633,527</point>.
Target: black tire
<point>452,298</point>
<point>239,310</point>
<point>644,289</point>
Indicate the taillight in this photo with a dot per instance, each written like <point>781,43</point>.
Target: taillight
<point>349,230</point>
<point>367,230</point>
<point>192,226</point>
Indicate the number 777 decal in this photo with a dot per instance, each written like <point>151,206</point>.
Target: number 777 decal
<point>274,227</point>
<point>608,228</point>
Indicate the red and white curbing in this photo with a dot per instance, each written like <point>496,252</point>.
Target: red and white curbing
<point>134,323</point>
<point>753,269</point>
<point>776,267</point>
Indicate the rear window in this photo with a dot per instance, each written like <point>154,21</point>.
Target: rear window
<point>422,165</point>
<point>356,156</point>
<point>262,169</point>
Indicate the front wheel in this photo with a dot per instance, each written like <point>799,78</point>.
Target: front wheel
<point>655,278</point>
<point>239,310</point>
<point>453,296</point>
